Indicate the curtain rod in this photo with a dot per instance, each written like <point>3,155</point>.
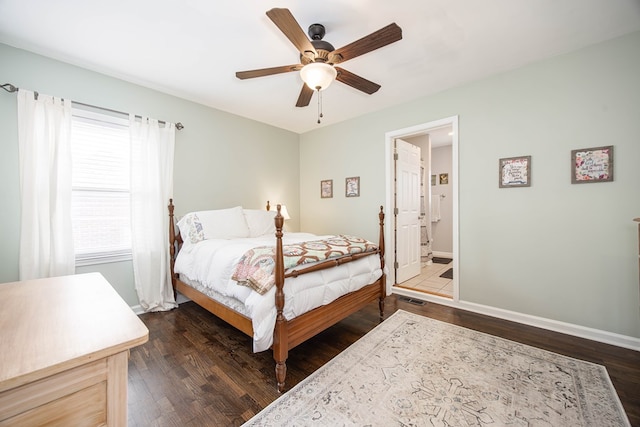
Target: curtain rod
<point>11,88</point>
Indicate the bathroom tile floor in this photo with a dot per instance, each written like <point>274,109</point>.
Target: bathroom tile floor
<point>429,280</point>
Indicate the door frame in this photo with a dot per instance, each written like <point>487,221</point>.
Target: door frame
<point>390,188</point>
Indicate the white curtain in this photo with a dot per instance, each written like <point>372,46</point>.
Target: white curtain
<point>46,240</point>
<point>152,148</point>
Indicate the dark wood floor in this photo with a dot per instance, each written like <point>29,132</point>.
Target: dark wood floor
<point>198,371</point>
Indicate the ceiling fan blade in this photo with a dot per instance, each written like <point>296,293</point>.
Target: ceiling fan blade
<point>357,82</point>
<point>384,36</point>
<point>250,74</point>
<point>285,21</point>
<point>305,96</point>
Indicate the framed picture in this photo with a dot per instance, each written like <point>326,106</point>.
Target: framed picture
<point>433,180</point>
<point>352,187</point>
<point>326,189</point>
<point>514,172</point>
<point>444,178</point>
<point>592,165</point>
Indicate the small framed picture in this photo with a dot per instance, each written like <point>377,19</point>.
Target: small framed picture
<point>352,187</point>
<point>326,188</point>
<point>444,178</point>
<point>592,165</point>
<point>433,180</point>
<point>514,172</point>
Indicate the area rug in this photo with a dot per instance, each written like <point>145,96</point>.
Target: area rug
<point>447,274</point>
<point>415,371</point>
<point>439,260</point>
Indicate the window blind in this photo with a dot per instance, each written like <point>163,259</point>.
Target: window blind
<point>100,195</point>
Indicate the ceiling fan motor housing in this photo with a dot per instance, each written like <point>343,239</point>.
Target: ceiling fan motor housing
<point>316,33</point>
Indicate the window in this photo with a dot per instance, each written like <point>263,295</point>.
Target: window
<point>100,206</point>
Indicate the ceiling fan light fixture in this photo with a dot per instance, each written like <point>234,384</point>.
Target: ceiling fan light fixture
<point>318,75</point>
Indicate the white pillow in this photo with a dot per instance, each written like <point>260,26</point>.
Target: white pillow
<point>215,224</point>
<point>260,222</point>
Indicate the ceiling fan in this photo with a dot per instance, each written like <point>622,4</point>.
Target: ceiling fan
<point>318,58</point>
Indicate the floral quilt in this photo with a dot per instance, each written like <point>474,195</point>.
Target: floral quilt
<point>256,267</point>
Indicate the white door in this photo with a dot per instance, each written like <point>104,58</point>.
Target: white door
<point>407,168</point>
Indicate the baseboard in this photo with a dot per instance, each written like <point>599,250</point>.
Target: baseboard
<point>606,337</point>
<point>443,254</point>
<point>181,298</point>
<point>137,309</point>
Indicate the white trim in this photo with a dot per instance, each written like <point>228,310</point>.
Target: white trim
<point>443,254</point>
<point>181,298</point>
<point>84,259</point>
<point>598,335</point>
<point>97,114</point>
<point>593,334</point>
<point>389,165</point>
<point>137,309</point>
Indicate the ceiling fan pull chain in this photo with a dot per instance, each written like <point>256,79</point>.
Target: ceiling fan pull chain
<point>319,105</point>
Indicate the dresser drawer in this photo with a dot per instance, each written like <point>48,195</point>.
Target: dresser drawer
<point>75,397</point>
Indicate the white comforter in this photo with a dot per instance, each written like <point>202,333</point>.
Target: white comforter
<point>212,263</point>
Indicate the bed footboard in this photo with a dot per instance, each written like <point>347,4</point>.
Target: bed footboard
<point>288,334</point>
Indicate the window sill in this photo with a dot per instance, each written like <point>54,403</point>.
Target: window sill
<point>105,258</point>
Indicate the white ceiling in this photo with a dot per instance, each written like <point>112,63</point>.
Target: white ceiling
<point>192,48</point>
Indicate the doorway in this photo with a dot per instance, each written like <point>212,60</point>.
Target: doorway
<point>432,132</point>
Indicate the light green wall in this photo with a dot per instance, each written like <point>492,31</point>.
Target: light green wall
<point>555,250</point>
<point>560,251</point>
<point>221,160</point>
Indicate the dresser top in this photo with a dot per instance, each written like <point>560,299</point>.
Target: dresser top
<point>51,325</point>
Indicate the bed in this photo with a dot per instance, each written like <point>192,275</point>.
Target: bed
<point>349,281</point>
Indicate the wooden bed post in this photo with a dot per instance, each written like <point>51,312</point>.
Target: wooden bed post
<point>280,342</point>
<point>383,278</point>
<point>175,243</point>
<point>172,247</point>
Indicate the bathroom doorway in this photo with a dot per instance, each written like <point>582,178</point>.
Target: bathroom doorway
<point>438,143</point>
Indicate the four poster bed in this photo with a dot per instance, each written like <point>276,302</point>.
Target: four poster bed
<point>280,295</point>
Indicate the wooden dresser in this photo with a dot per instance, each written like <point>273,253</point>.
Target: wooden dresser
<point>64,348</point>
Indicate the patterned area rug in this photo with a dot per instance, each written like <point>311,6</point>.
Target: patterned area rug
<point>415,371</point>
